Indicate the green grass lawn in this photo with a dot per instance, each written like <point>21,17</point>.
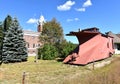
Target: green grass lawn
<point>53,72</point>
<point>42,72</point>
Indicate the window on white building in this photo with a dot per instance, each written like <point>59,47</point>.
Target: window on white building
<point>27,45</point>
<point>38,45</point>
<point>33,45</point>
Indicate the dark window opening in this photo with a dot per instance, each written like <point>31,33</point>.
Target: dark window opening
<point>38,45</point>
<point>28,45</point>
<point>33,45</point>
<point>118,46</point>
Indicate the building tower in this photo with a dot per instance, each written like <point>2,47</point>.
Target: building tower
<point>41,21</point>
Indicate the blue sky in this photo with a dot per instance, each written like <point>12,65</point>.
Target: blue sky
<point>71,14</point>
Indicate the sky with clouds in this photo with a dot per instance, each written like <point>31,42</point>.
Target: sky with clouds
<point>71,14</point>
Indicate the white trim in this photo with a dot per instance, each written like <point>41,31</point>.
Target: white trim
<point>31,34</point>
<point>32,48</point>
<point>33,54</point>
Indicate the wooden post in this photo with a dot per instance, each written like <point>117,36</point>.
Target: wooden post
<point>93,64</point>
<point>36,57</point>
<point>23,78</point>
<point>41,57</point>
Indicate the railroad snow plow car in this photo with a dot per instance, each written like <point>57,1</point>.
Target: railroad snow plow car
<point>93,46</point>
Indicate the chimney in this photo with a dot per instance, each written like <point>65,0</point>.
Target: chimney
<point>39,29</point>
<point>40,23</point>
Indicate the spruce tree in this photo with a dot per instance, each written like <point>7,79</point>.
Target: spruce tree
<point>3,28</point>
<point>1,40</point>
<point>13,44</point>
<point>7,22</point>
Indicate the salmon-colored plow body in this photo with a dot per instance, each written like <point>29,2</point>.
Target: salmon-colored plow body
<point>93,46</point>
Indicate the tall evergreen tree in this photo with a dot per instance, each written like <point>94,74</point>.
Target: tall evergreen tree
<point>13,44</point>
<point>3,28</point>
<point>1,40</point>
<point>7,22</point>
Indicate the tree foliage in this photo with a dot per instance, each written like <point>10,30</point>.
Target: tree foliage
<point>54,41</point>
<point>65,48</point>
<point>13,44</point>
<point>1,39</point>
<point>3,28</point>
<point>49,52</point>
<point>52,32</point>
<point>7,23</point>
<point>1,32</point>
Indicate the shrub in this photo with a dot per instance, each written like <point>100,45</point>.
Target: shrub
<point>66,48</point>
<point>47,52</point>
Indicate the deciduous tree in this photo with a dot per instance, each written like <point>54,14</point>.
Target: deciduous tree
<point>54,41</point>
<point>52,32</point>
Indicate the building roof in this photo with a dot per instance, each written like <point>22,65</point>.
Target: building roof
<point>116,38</point>
<point>118,35</point>
<point>31,33</point>
<point>93,30</point>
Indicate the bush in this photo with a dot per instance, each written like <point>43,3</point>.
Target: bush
<point>47,52</point>
<point>50,52</point>
<point>66,48</point>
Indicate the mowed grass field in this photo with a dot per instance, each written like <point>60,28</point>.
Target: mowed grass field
<point>53,72</point>
<point>42,72</point>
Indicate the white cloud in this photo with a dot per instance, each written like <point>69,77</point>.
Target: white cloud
<point>74,19</point>
<point>69,20</point>
<point>87,3</point>
<point>32,21</point>
<point>80,9</point>
<point>66,6</point>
